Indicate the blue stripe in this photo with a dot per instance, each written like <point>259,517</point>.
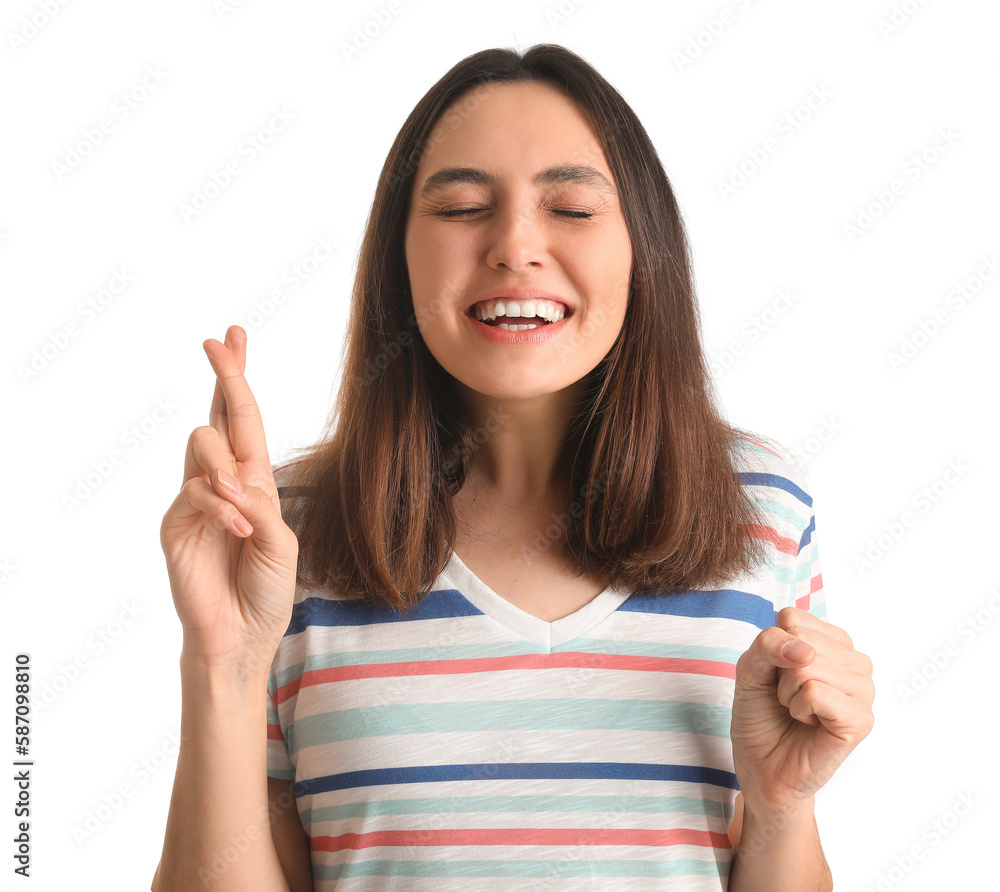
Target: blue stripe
<point>331,612</point>
<point>294,490</point>
<point>422,774</point>
<point>754,479</point>
<point>722,604</point>
<point>807,533</point>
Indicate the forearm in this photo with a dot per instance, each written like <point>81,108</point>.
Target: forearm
<point>219,803</point>
<point>780,853</point>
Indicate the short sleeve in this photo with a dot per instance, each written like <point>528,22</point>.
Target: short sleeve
<point>279,764</point>
<point>807,584</point>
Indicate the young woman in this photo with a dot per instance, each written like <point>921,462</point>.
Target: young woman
<point>531,614</point>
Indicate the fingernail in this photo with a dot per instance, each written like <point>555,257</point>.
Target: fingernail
<point>796,650</point>
<point>230,482</point>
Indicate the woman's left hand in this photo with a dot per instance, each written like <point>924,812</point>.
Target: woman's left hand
<point>795,721</point>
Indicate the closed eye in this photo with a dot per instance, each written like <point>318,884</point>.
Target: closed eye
<point>457,212</point>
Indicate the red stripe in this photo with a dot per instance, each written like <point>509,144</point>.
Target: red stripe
<point>287,691</point>
<point>274,732</point>
<point>815,585</point>
<point>562,660</point>
<point>523,837</point>
<point>762,446</point>
<point>769,534</point>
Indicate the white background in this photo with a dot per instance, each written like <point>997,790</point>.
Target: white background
<point>818,376</point>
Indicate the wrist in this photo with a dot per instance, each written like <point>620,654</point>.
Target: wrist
<point>759,814</point>
<point>762,827</point>
<point>237,668</point>
<point>779,851</point>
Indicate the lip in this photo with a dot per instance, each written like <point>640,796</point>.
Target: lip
<point>531,336</point>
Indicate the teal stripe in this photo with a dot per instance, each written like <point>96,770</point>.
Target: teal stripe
<point>504,869</point>
<point>280,678</point>
<point>602,805</point>
<point>819,610</point>
<point>784,512</point>
<point>803,573</point>
<point>784,576</point>
<point>557,714</point>
<point>651,649</point>
<point>738,444</point>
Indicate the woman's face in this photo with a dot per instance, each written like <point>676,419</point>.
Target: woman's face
<point>514,192</point>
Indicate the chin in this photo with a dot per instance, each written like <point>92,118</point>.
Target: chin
<point>513,391</point>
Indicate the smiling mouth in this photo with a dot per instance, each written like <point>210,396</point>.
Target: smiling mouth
<point>514,315</point>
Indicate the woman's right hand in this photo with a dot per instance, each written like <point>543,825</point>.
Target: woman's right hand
<point>231,559</point>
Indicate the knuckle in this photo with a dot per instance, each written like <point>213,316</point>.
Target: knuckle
<point>243,408</point>
<point>772,637</point>
<point>192,486</point>
<point>203,434</point>
<point>869,690</point>
<point>789,622</point>
<point>867,667</point>
<point>811,686</point>
<point>257,496</point>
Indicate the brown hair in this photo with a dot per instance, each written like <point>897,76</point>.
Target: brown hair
<point>658,504</point>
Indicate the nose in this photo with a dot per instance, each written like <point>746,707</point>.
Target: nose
<point>516,239</point>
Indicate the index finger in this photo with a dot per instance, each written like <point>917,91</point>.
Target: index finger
<point>790,617</point>
<point>242,417</point>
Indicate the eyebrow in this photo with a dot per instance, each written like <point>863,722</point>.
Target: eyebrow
<point>563,173</point>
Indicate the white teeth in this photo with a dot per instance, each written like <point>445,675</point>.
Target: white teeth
<point>507,327</point>
<point>545,309</point>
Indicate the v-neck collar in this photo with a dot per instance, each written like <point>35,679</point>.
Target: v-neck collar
<point>524,624</point>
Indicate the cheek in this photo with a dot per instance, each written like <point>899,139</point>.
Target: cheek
<point>432,259</point>
<point>607,274</point>
<point>421,264</point>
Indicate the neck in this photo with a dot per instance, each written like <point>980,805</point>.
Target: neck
<point>519,458</point>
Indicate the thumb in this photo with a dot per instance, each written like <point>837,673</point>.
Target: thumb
<point>771,650</point>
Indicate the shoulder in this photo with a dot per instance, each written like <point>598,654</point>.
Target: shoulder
<point>773,472</point>
<point>282,471</point>
<point>308,600</point>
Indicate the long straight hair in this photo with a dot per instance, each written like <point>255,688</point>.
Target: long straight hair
<point>655,503</point>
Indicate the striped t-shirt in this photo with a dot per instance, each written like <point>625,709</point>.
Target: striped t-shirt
<point>468,745</point>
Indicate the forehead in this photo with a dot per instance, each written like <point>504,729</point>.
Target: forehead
<point>512,129</point>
